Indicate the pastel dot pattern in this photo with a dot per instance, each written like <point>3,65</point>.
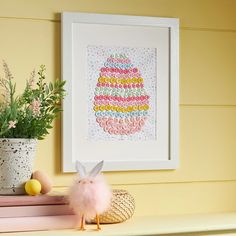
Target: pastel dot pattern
<point>121,103</point>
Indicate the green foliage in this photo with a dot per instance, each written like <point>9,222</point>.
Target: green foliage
<point>31,114</point>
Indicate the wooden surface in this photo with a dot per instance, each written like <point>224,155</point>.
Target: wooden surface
<point>202,224</point>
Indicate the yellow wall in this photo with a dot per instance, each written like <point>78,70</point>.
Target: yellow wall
<point>206,179</point>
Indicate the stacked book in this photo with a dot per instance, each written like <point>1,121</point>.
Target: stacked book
<point>29,213</point>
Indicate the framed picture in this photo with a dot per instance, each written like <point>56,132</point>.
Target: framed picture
<point>122,82</point>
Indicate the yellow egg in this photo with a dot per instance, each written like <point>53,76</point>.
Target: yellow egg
<point>45,181</point>
<point>33,187</point>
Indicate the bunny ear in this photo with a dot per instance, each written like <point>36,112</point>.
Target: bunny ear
<point>96,170</point>
<point>81,169</point>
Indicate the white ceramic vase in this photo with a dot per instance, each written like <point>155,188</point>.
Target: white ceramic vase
<point>16,164</point>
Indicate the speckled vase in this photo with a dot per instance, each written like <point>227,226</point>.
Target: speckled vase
<point>16,164</point>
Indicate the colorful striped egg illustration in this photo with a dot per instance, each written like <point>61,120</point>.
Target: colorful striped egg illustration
<point>121,103</point>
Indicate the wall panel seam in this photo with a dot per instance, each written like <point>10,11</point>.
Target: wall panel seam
<point>177,182</point>
<point>29,18</point>
<point>181,28</point>
<point>166,183</point>
<point>207,105</point>
<point>209,29</point>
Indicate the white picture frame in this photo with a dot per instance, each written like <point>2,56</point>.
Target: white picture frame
<point>119,32</point>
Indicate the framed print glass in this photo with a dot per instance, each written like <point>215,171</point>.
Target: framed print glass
<point>122,87</point>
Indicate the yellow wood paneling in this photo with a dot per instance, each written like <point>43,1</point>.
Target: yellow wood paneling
<point>187,198</point>
<point>30,36</point>
<point>26,44</point>
<point>207,67</point>
<point>180,198</point>
<point>207,151</point>
<point>219,14</point>
<point>207,58</point>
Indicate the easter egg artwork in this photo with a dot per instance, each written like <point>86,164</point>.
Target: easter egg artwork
<point>121,103</point>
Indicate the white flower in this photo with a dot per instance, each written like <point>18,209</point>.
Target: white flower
<point>12,124</point>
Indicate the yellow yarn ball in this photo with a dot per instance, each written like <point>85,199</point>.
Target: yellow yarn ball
<point>33,187</point>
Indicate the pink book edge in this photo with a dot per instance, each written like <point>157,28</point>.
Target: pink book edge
<point>25,200</point>
<point>19,224</point>
<point>38,210</point>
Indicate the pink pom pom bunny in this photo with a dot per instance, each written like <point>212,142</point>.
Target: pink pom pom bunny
<point>90,195</point>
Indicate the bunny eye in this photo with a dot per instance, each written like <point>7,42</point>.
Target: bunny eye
<point>79,181</point>
<point>91,181</point>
